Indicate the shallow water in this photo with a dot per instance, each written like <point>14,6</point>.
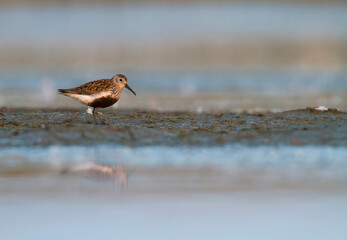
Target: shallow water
<point>176,192</point>
<point>181,169</point>
<point>186,91</point>
<point>282,157</point>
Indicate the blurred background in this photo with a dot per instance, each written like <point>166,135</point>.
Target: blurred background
<point>216,56</point>
<point>194,56</point>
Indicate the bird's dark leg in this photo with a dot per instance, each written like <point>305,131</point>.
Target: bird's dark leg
<point>102,120</point>
<point>94,110</point>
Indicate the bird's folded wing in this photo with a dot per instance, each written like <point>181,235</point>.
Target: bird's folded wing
<point>89,88</point>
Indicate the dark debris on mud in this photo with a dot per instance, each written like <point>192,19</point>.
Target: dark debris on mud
<point>43,127</point>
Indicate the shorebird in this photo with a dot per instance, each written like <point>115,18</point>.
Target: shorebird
<point>99,93</point>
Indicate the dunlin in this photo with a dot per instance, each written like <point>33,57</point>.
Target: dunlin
<point>99,93</point>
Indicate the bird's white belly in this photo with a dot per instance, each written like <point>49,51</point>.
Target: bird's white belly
<point>88,99</point>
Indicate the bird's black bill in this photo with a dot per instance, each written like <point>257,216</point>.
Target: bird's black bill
<point>127,86</point>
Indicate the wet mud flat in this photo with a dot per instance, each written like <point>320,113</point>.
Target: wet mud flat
<point>45,127</point>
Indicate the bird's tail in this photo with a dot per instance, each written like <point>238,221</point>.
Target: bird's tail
<point>61,91</point>
<point>67,91</point>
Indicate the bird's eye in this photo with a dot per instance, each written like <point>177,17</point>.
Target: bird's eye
<point>120,80</point>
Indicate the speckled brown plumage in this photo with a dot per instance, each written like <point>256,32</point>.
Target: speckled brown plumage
<point>97,85</point>
<point>90,87</point>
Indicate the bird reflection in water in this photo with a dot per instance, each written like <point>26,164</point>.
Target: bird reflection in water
<point>100,172</point>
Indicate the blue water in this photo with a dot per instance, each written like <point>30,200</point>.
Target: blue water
<point>260,82</point>
<point>293,159</point>
<point>176,204</point>
<point>226,216</point>
<point>142,23</point>
<point>179,198</point>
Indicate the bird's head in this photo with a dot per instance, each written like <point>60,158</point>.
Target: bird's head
<point>122,81</point>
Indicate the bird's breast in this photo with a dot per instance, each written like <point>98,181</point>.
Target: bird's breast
<point>103,101</point>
